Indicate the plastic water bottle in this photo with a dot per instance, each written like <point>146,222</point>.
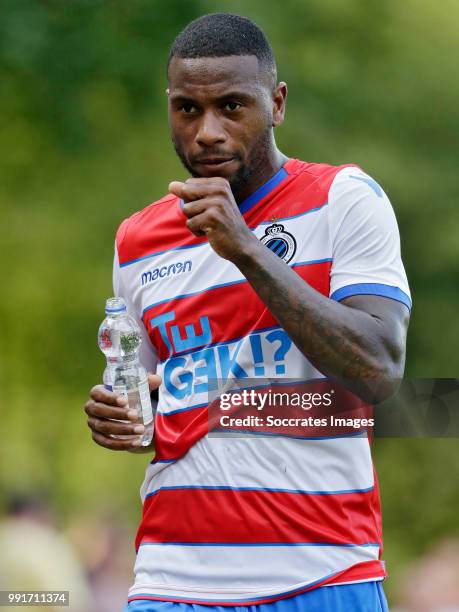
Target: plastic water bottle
<point>119,339</point>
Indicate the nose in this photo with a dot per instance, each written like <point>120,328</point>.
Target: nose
<point>210,130</point>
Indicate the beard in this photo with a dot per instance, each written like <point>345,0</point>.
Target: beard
<point>246,172</point>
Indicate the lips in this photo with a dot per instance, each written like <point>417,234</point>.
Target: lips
<point>214,161</point>
<point>215,166</point>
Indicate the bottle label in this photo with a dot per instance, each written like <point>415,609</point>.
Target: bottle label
<point>145,402</point>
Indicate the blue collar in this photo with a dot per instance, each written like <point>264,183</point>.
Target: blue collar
<point>263,191</point>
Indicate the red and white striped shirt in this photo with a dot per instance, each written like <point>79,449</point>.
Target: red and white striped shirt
<point>250,519</point>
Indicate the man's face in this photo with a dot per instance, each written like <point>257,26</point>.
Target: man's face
<point>221,116</point>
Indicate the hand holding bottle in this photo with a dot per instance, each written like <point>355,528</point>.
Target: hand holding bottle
<point>106,412</point>
<point>120,411</point>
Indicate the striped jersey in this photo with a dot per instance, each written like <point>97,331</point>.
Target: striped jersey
<point>251,519</point>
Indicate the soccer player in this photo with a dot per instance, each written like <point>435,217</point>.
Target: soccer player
<point>257,265</point>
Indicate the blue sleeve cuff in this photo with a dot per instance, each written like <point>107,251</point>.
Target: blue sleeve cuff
<point>389,291</point>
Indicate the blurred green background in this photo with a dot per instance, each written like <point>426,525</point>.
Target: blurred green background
<point>84,143</point>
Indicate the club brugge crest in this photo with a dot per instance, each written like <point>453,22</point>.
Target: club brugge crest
<point>279,241</point>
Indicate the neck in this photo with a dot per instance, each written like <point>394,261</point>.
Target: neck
<point>263,171</point>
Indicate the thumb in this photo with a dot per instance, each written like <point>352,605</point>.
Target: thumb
<point>154,381</point>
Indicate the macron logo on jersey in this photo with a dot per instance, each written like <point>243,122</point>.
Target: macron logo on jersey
<point>164,271</point>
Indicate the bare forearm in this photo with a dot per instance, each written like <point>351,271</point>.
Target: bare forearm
<point>357,340</point>
<point>340,341</point>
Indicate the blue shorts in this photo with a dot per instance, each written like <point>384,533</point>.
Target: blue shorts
<point>362,597</point>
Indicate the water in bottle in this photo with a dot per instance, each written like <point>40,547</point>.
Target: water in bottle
<point>119,340</point>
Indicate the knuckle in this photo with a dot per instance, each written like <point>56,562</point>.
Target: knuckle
<point>101,441</point>
<point>192,225</point>
<point>103,427</point>
<point>187,210</point>
<point>92,408</point>
<point>222,184</point>
<point>95,391</point>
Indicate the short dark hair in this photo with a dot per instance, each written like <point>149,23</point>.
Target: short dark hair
<point>222,34</point>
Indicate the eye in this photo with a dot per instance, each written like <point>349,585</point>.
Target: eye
<point>188,109</point>
<point>232,106</point>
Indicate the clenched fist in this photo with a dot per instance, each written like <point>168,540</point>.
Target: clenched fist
<point>212,211</point>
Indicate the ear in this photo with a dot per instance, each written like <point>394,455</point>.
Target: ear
<point>279,99</point>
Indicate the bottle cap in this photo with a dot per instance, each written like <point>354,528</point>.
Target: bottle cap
<point>115,304</point>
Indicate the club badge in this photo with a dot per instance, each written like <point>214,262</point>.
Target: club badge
<point>279,242</point>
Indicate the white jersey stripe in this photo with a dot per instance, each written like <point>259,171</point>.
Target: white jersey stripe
<point>196,569</point>
<point>252,463</point>
<point>228,284</point>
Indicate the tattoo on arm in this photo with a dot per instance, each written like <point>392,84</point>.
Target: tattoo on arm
<point>342,342</point>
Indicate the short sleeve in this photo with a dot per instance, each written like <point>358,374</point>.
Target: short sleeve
<point>365,240</point>
<point>147,354</point>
